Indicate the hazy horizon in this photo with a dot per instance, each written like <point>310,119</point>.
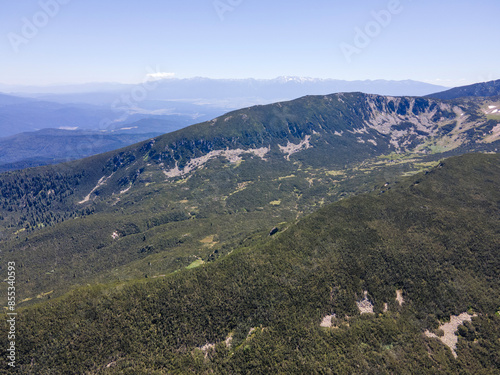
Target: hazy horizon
<point>58,42</point>
<point>69,83</point>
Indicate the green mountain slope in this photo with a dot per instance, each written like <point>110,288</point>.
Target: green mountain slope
<point>332,132</point>
<point>158,206</point>
<point>418,253</point>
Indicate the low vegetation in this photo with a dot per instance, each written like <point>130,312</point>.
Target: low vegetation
<point>434,236</point>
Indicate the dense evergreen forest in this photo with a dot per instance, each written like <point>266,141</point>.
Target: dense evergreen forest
<point>434,236</point>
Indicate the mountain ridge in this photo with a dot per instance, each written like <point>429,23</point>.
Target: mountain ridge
<point>99,87</point>
<point>257,167</point>
<point>348,127</point>
<point>157,118</point>
<point>483,89</point>
<point>362,119</point>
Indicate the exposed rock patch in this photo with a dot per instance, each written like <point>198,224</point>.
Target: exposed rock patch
<point>450,339</point>
<point>233,156</point>
<point>100,183</point>
<point>327,321</point>
<point>365,306</point>
<point>399,297</point>
<point>207,348</point>
<point>292,148</point>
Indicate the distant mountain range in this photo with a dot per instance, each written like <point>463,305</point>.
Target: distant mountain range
<point>223,93</point>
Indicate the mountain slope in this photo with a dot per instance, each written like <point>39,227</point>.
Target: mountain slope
<point>419,253</point>
<point>349,128</point>
<point>160,205</point>
<point>485,89</point>
<point>6,100</point>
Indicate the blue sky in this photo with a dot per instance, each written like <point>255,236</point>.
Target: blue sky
<point>77,41</point>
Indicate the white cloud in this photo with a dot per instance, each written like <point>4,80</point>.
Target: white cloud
<point>160,75</point>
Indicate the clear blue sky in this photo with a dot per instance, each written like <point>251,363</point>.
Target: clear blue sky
<point>451,42</point>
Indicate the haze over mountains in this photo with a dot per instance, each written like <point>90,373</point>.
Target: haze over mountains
<point>22,115</point>
<point>228,93</point>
